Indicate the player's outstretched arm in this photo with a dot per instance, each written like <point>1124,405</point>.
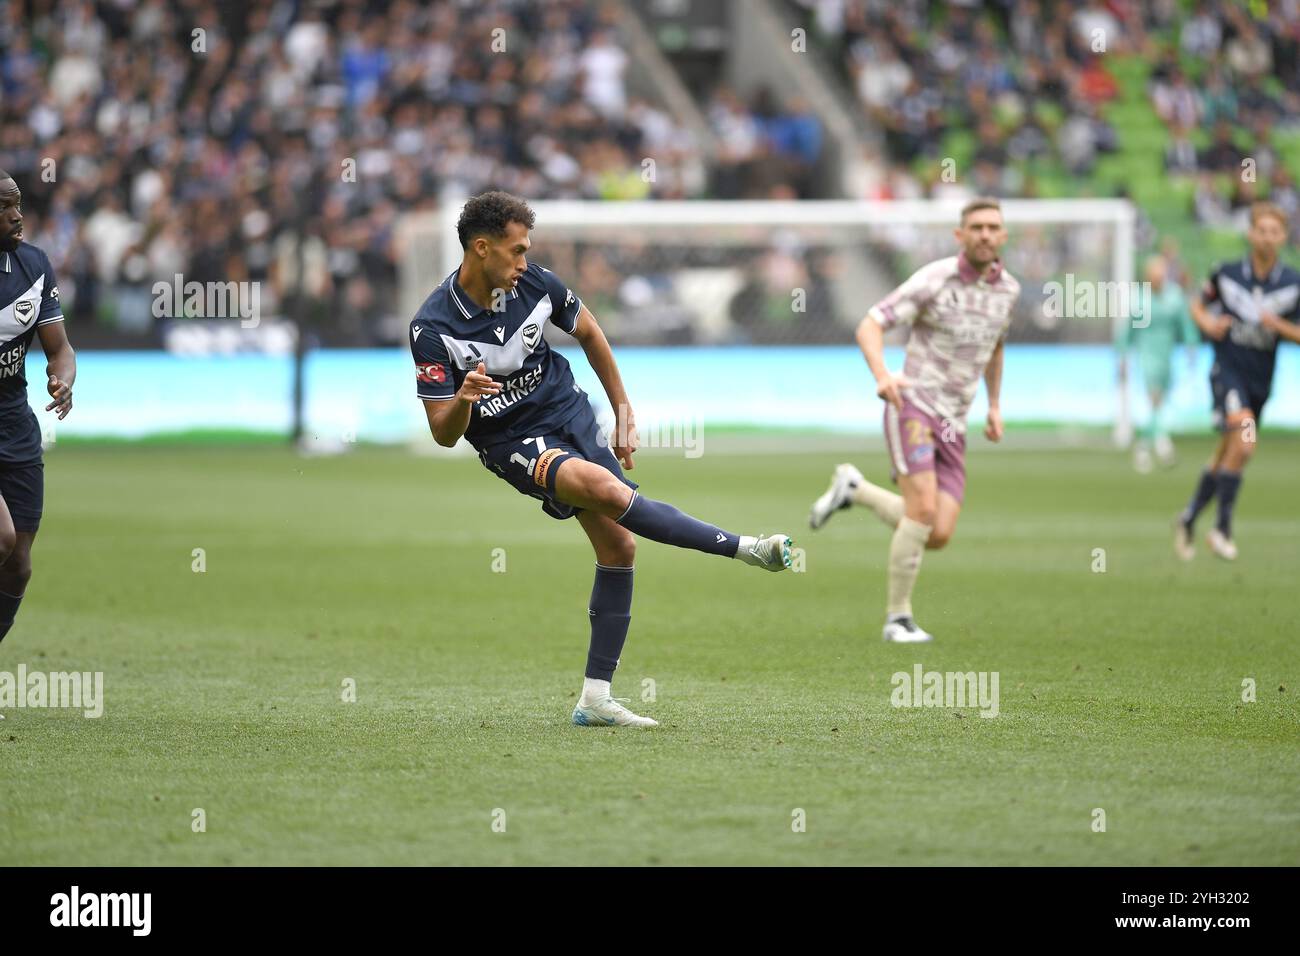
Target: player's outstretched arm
<point>449,419</point>
<point>592,339</point>
<point>61,366</point>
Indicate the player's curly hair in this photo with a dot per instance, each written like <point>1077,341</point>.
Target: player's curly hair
<point>488,213</point>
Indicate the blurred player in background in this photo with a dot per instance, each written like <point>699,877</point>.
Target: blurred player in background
<point>959,310</point>
<point>1244,309</point>
<point>484,371</point>
<point>29,306</point>
<point>1154,329</point>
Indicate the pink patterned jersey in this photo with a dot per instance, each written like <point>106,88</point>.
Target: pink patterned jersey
<point>957,319</point>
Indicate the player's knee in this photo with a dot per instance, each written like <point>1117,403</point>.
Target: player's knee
<point>609,492</point>
<point>620,552</point>
<point>938,538</point>
<point>18,569</point>
<point>923,513</point>
<point>8,541</point>
<point>1246,439</point>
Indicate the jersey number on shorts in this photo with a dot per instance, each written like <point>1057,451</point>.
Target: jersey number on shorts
<point>528,464</point>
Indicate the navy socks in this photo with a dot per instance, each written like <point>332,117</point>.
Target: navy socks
<point>1229,485</point>
<point>1221,484</point>
<point>611,613</point>
<point>1205,491</point>
<point>660,521</point>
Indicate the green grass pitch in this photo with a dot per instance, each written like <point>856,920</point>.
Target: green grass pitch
<point>1120,690</point>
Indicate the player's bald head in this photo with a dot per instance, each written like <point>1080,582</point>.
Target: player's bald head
<point>11,213</point>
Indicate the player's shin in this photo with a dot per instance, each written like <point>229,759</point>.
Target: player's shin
<point>660,521</point>
<point>905,551</point>
<point>1229,484</point>
<point>8,611</point>
<point>887,505</point>
<point>1206,488</point>
<point>610,611</point>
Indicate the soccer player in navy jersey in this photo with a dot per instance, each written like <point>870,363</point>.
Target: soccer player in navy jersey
<point>485,372</point>
<point>29,306</point>
<point>1244,309</point>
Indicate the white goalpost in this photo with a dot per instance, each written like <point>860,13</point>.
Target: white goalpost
<point>575,217</point>
<point>795,273</point>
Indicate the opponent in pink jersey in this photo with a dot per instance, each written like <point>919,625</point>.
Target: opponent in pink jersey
<point>959,310</point>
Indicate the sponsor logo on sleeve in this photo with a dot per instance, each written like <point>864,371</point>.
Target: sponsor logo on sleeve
<point>431,374</point>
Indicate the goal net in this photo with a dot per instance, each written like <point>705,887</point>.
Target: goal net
<point>798,273</point>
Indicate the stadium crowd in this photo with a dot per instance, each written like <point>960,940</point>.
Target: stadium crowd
<point>1029,78</point>
<point>276,140</point>
<point>281,140</point>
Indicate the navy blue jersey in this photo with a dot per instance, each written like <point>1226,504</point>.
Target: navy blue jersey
<point>450,335</point>
<point>1249,350</point>
<point>29,297</point>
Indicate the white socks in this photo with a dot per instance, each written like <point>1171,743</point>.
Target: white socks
<point>905,550</point>
<point>887,505</point>
<point>592,691</point>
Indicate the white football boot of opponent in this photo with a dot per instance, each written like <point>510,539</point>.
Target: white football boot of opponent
<point>1221,545</point>
<point>771,552</point>
<point>1184,543</point>
<point>609,712</point>
<point>837,497</point>
<point>903,630</point>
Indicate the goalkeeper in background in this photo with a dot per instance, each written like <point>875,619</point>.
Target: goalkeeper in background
<point>1158,324</point>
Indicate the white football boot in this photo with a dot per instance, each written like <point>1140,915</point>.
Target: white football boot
<point>1184,542</point>
<point>609,712</point>
<point>837,497</point>
<point>1221,545</point>
<point>903,630</point>
<point>772,552</point>
<point>1143,463</point>
<point>1165,453</point>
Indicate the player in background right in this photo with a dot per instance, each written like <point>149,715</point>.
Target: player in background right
<point>958,311</point>
<point>1153,330</point>
<point>1243,309</point>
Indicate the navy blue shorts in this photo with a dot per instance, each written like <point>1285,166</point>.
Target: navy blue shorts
<point>530,464</point>
<point>23,490</point>
<point>1232,394</point>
